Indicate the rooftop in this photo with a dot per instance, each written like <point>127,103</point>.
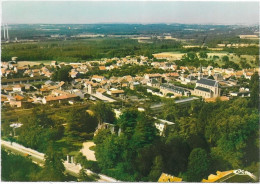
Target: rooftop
<point>208,82</point>
<point>169,178</point>
<point>62,97</point>
<point>232,176</point>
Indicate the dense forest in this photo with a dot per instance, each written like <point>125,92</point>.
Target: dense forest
<point>89,49</point>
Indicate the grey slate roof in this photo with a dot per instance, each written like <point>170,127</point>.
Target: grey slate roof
<point>203,89</point>
<point>208,82</point>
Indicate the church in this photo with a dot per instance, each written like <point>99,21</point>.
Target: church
<point>207,88</point>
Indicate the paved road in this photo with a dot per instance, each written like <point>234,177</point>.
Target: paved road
<point>38,158</point>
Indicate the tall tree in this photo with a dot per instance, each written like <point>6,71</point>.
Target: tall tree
<point>203,54</point>
<point>225,58</point>
<point>199,164</point>
<point>109,152</point>
<point>145,131</point>
<point>157,169</point>
<point>103,112</point>
<point>62,74</point>
<point>175,154</point>
<point>53,168</point>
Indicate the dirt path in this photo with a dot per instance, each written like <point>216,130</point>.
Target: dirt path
<point>87,152</point>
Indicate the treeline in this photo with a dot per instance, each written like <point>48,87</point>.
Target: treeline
<point>90,49</point>
<point>62,74</point>
<point>191,59</point>
<point>251,50</point>
<point>125,70</point>
<point>178,30</point>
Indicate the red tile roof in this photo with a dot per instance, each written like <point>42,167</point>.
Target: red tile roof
<point>62,97</point>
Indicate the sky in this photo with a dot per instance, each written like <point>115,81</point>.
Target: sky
<point>144,12</point>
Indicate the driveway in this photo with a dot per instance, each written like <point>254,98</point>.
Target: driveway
<point>87,152</point>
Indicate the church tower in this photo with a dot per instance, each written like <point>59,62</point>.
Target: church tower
<point>200,73</point>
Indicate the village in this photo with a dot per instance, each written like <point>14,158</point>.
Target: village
<point>182,83</point>
<point>207,82</point>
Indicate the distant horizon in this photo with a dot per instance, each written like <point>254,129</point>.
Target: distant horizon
<point>131,12</point>
<point>130,23</point>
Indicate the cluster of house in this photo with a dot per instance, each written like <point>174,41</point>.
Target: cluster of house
<point>19,95</point>
<point>8,69</point>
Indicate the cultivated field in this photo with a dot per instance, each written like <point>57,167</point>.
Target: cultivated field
<point>172,55</point>
<point>31,63</point>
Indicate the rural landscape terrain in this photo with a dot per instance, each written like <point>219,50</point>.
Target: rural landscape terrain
<point>130,102</point>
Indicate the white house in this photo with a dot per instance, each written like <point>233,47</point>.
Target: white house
<point>161,125</point>
<point>18,88</point>
<point>98,78</point>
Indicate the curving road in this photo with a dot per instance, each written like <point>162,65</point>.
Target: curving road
<point>38,158</point>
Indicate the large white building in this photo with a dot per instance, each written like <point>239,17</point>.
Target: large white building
<point>207,88</point>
